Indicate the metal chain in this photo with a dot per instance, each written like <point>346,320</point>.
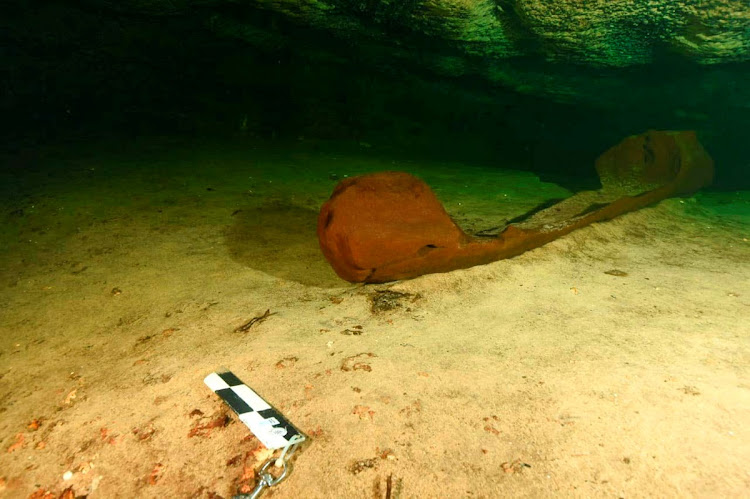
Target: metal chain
<point>266,479</point>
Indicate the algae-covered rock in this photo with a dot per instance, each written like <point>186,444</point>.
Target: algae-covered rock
<point>624,32</point>
<point>603,32</point>
<point>537,47</point>
<point>597,32</point>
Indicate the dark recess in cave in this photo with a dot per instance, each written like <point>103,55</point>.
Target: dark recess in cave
<point>88,68</point>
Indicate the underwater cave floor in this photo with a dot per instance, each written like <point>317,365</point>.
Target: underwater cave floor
<point>613,362</point>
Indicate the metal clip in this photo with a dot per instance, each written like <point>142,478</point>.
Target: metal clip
<point>266,479</point>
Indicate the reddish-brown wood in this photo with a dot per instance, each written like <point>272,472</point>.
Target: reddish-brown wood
<point>390,225</point>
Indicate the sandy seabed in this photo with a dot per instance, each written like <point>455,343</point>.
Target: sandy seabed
<point>613,362</point>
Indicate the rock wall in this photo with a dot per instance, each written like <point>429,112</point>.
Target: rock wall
<point>540,80</point>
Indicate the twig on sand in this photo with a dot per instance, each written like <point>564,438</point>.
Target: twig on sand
<point>255,320</point>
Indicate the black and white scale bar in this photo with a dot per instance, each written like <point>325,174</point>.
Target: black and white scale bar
<point>266,423</point>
